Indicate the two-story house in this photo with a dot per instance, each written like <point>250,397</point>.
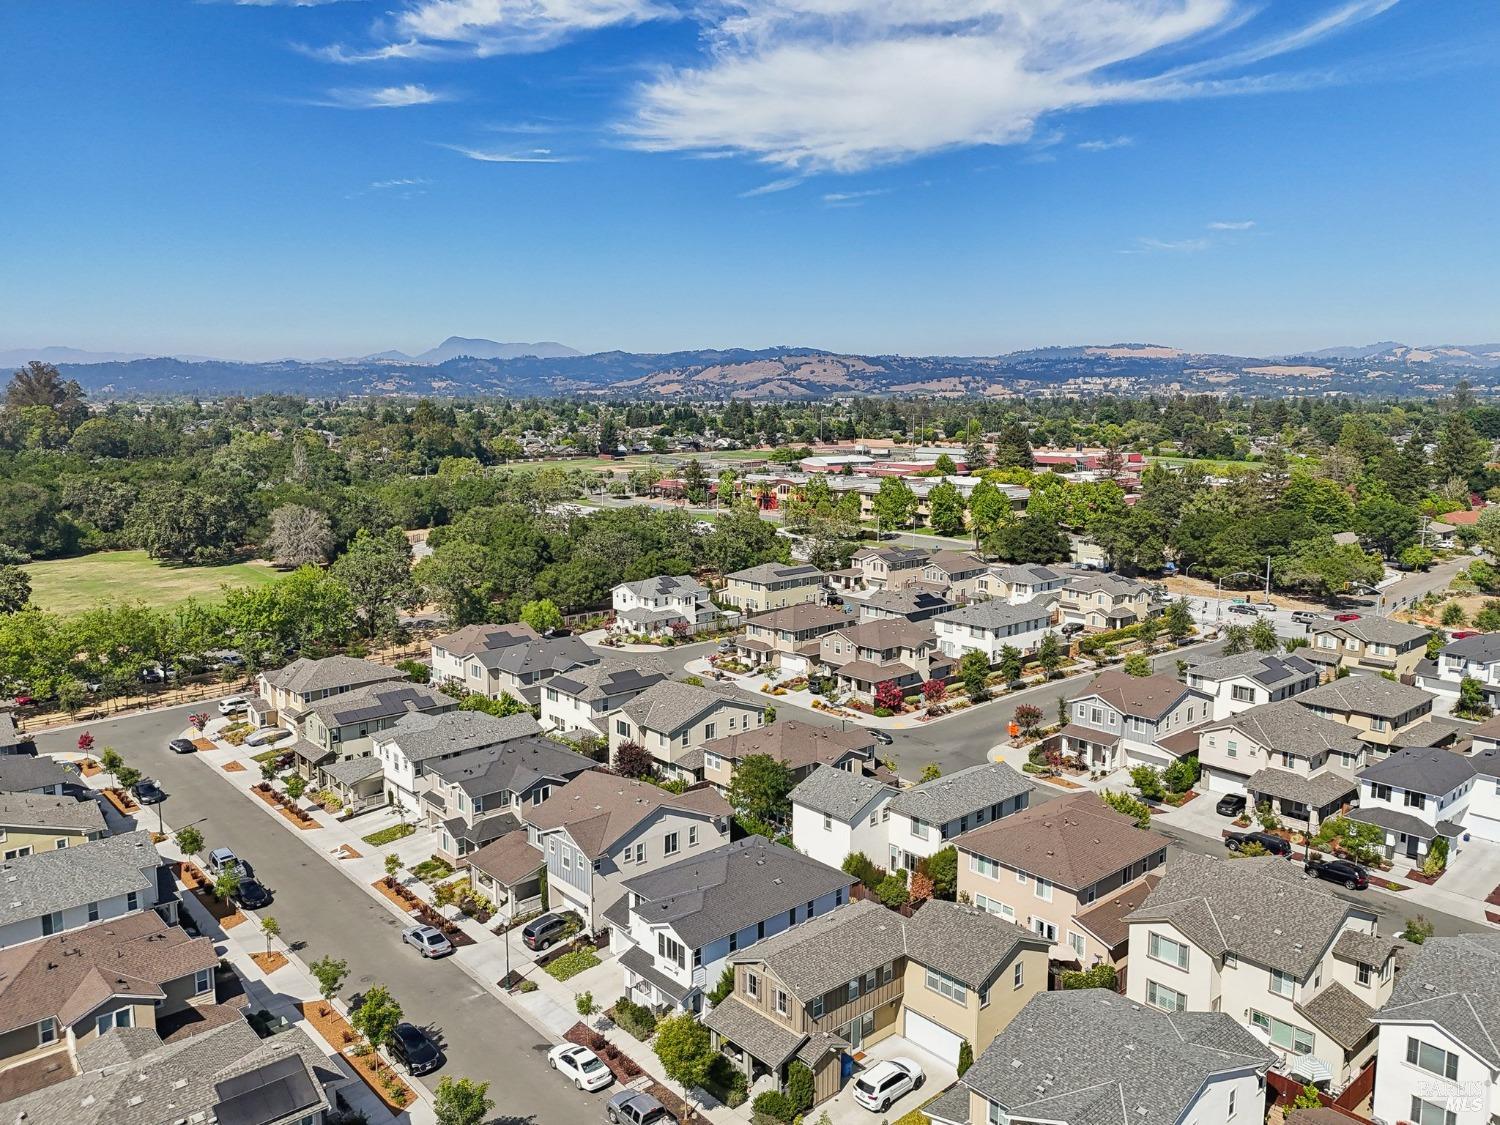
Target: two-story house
<point>866,655</point>
<point>788,638</point>
<point>837,812</point>
<point>576,702</point>
<point>1418,795</point>
<point>1119,720</point>
<point>833,987</point>
<point>599,830</point>
<point>463,655</point>
<point>1085,1057</point>
<point>1375,708</point>
<point>672,720</point>
<point>759,589</point>
<point>407,750</point>
<point>1483,819</point>
<point>663,606</point>
<point>958,573</point>
<point>1369,644</point>
<point>521,667</point>
<point>345,726</point>
<point>992,626</point>
<point>478,796</point>
<point>1250,679</point>
<point>33,822</point>
<point>23,773</point>
<point>1022,582</point>
<point>889,568</point>
<point>800,747</point>
<point>62,993</point>
<point>1439,1035</point>
<point>55,891</point>
<point>911,603</point>
<point>1303,764</point>
<point>675,928</point>
<point>1255,939</point>
<point>1475,657</point>
<point>927,817</point>
<point>283,695</point>
<point>1046,865</point>
<point>1105,601</point>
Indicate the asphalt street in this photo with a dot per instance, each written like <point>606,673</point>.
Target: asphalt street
<point>324,912</point>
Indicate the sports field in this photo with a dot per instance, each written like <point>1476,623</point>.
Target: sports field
<point>71,585</point>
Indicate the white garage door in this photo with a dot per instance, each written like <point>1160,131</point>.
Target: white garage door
<point>1221,781</point>
<point>932,1037</point>
<point>1483,827</point>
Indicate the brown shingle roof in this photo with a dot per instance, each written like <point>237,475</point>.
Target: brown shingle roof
<point>797,744</point>
<point>1148,696</point>
<point>1073,842</point>
<point>796,618</point>
<point>1106,918</point>
<point>598,808</point>
<point>508,859</point>
<point>890,632</point>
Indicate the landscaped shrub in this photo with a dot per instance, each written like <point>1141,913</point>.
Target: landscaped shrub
<point>571,964</point>
<point>776,1106</point>
<point>637,1019</point>
<point>863,868</point>
<point>799,1086</point>
<point>1101,975</point>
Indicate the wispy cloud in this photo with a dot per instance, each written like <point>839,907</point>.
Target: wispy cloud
<point>528,156</point>
<point>406,187</point>
<point>383,97</point>
<point>1144,245</point>
<point>843,85</point>
<point>1241,224</point>
<point>276,3</point>
<point>852,198</point>
<point>1106,145</point>
<point>772,187</point>
<point>387,185</point>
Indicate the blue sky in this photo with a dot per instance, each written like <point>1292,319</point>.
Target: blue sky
<point>921,176</point>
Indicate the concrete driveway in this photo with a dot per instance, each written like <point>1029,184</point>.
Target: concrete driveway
<point>938,1076</point>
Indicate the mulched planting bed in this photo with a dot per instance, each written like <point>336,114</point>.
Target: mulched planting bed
<point>123,802</point>
<point>233,767</point>
<point>371,1068</point>
<point>621,1065</point>
<point>201,887</point>
<point>1417,875</point>
<point>204,744</point>
<point>268,963</point>
<point>424,913</point>
<point>299,818</point>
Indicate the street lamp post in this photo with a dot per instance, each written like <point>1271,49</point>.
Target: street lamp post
<point>1219,596</point>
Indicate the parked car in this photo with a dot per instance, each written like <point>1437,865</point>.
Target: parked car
<point>1243,607</point>
<point>580,1066</point>
<point>1071,628</point>
<point>221,860</point>
<point>147,792</point>
<point>887,1082</point>
<point>541,932</point>
<point>157,674</point>
<point>427,941</point>
<point>267,735</point>
<point>233,705</point>
<point>414,1049</point>
<point>1344,871</point>
<point>181,746</point>
<point>1231,804</point>
<point>882,737</point>
<point>1463,634</point>
<point>1273,844</point>
<point>252,895</point>
<point>1346,617</point>
<point>1306,617</point>
<point>631,1107</point>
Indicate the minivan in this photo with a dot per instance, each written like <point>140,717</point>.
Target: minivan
<point>541,932</point>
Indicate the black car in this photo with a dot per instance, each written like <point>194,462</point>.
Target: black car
<point>414,1049</point>
<point>1344,871</point>
<point>181,746</point>
<point>147,792</point>
<point>1244,607</point>
<point>1273,844</point>
<point>1231,804</point>
<point>541,932</point>
<point>881,737</point>
<point>252,894</point>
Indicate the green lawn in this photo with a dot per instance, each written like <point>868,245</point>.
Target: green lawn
<point>71,585</point>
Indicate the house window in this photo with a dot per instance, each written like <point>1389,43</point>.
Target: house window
<point>203,981</point>
<point>1018,975</point>
<point>640,852</point>
<point>1364,974</point>
<point>1283,984</point>
<point>874,819</point>
<point>782,1007</point>
<point>670,950</point>
<point>713,761</point>
<point>853,991</point>
<point>815,1007</point>
<point>887,972</point>
<point>1076,941</point>
<point>919,828</point>
<point>1287,1036</point>
<point>1164,998</point>
<point>1242,694</point>
<point>945,985</point>
<point>1042,888</point>
<point>669,844</point>
<point>1229,1114</point>
<point>622,728</point>
<point>1415,800</point>
<point>1043,927</point>
<point>51,923</point>
<point>827,823</point>
<point>709,731</point>
<point>1432,1059</point>
<point>982,865</point>
<point>1167,951</point>
<point>1380,792</point>
<point>752,986</point>
<point>1431,1113</point>
<point>93,912</point>
<point>121,1018</point>
<point>46,1032</point>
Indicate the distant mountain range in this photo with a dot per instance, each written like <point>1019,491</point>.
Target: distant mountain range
<point>464,367</point>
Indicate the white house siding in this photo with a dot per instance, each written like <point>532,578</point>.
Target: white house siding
<point>835,843</point>
<point>1473,1096</point>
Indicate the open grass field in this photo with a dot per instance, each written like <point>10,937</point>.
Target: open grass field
<point>71,585</point>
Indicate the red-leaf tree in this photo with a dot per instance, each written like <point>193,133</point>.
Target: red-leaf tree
<point>933,691</point>
<point>888,695</point>
<point>633,760</point>
<point>85,742</point>
<point>1028,717</point>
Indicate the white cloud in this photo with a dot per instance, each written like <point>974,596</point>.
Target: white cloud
<point>842,85</point>
<point>1106,145</point>
<point>386,185</point>
<point>383,97</point>
<point>1242,224</point>
<point>528,156</point>
<point>1169,246</point>
<point>852,198</point>
<point>772,187</point>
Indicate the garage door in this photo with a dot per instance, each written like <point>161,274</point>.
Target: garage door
<point>1221,781</point>
<point>932,1037</point>
<point>1483,827</point>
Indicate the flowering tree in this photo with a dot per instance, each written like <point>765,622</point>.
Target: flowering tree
<point>680,629</point>
<point>1028,717</point>
<point>85,742</point>
<point>198,720</point>
<point>934,691</point>
<point>888,695</point>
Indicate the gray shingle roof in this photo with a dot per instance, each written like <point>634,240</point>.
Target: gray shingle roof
<point>1317,790</point>
<point>1376,630</point>
<point>1264,668</point>
<point>473,639</point>
<point>827,952</point>
<point>303,675</point>
<point>952,1106</point>
<point>1422,770</point>
<point>9,736</point>
<point>21,773</point>
<point>609,677</point>
<point>1111,584</point>
<point>1027,573</point>
<point>1396,821</point>
<point>1366,695</point>
<point>961,794</point>
<point>964,942</point>
<point>1341,1014</point>
<point>838,793</point>
<point>546,654</point>
<point>1287,726</point>
<point>909,601</point>
<point>597,809</point>
<point>352,770</point>
<point>1482,648</point>
<point>1091,1057</point>
<point>378,701</point>
<point>797,744</point>
<point>1263,910</point>
<point>1453,982</point>
<point>996,614</point>
<point>1371,949</point>
<point>1150,697</point>
<point>514,766</point>
<point>1438,730</point>
<point>801,617</point>
<point>44,882</point>
<point>664,585</point>
<point>510,859</point>
<point>672,704</point>
<point>423,736</point>
<point>762,1036</point>
<point>41,810</point>
<point>728,888</point>
<point>766,573</point>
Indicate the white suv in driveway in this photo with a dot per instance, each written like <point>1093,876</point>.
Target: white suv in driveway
<point>887,1082</point>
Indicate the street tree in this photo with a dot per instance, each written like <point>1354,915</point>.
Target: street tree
<point>227,885</point>
<point>1050,653</point>
<point>1137,664</point>
<point>682,1044</point>
<point>1179,619</point>
<point>945,506</point>
<point>895,503</point>
<point>542,615</point>
<point>271,929</point>
<point>462,1101</point>
<point>330,973</point>
<point>1263,636</point>
<point>377,1016</point>
<point>930,772</point>
<point>189,841</point>
<point>110,762</point>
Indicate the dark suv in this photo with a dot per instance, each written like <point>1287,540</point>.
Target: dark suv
<point>1351,874</point>
<point>415,1050</point>
<point>1231,804</point>
<point>1273,844</point>
<point>541,932</point>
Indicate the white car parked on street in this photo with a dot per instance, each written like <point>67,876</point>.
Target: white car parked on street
<point>580,1066</point>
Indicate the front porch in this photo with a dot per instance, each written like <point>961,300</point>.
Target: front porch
<point>1306,800</point>
<point>1096,749</point>
<point>358,783</point>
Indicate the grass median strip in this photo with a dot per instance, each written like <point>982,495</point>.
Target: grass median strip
<point>389,835</point>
